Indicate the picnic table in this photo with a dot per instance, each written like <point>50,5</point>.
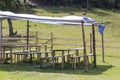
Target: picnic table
<point>68,53</point>
<point>11,52</point>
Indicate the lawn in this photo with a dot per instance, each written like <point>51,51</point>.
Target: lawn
<point>109,70</point>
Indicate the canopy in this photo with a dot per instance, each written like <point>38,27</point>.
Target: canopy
<point>72,20</point>
<point>68,20</point>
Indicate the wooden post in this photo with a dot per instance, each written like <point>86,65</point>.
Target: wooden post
<point>27,34</point>
<point>14,58</point>
<point>90,42</point>
<point>31,54</point>
<point>27,42</point>
<point>62,66</point>
<point>53,55</point>
<point>3,54</point>
<point>91,45</point>
<point>85,53</point>
<point>77,54</point>
<point>46,54</point>
<point>39,55</point>
<point>0,39</point>
<point>103,47</point>
<point>94,45</point>
<point>37,47</point>
<point>36,41</point>
<point>51,40</point>
<point>11,55</point>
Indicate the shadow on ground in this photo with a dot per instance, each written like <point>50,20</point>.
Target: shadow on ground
<point>67,70</point>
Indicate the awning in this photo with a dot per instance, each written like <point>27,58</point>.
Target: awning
<point>71,20</point>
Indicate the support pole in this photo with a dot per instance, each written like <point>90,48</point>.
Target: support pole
<point>37,41</point>
<point>94,45</point>
<point>27,34</point>
<point>103,48</point>
<point>85,53</point>
<point>0,39</point>
<point>51,40</point>
<point>91,43</point>
<point>27,41</point>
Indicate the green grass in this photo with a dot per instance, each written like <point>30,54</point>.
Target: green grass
<point>109,70</point>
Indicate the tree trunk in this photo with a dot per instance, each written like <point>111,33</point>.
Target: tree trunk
<point>11,33</point>
<point>116,4</point>
<point>97,3</point>
<point>87,4</point>
<point>24,1</point>
<point>107,3</point>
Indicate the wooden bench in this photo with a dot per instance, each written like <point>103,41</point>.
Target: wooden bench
<point>16,55</point>
<point>76,59</point>
<point>53,59</point>
<point>44,60</point>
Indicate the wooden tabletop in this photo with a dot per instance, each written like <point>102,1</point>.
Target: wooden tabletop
<point>69,49</point>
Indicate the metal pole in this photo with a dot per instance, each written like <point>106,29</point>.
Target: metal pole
<point>94,45</point>
<point>85,53</point>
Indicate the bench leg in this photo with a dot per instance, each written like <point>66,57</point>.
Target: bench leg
<point>14,58</point>
<point>75,64</point>
<point>62,66</point>
<point>41,63</point>
<point>53,65</point>
<point>72,62</point>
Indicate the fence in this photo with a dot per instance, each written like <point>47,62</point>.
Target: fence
<point>54,42</point>
<point>75,42</point>
<point>47,42</point>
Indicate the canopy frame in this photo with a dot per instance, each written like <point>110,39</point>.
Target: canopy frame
<point>75,21</point>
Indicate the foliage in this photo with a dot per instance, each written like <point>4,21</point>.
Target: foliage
<point>12,5</point>
<point>81,3</point>
<point>19,5</point>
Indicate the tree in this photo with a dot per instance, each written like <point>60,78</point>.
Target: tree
<point>8,4</point>
<point>11,32</point>
<point>97,3</point>
<point>87,4</point>
<point>116,4</point>
<point>24,1</point>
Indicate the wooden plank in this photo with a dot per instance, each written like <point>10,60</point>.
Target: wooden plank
<point>15,38</point>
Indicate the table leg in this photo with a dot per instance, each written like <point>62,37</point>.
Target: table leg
<point>62,59</point>
<point>3,55</point>
<point>11,55</point>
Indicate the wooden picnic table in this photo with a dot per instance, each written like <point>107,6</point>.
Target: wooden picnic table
<point>68,53</point>
<point>18,53</point>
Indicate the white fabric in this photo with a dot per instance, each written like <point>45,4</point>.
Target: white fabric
<point>72,20</point>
